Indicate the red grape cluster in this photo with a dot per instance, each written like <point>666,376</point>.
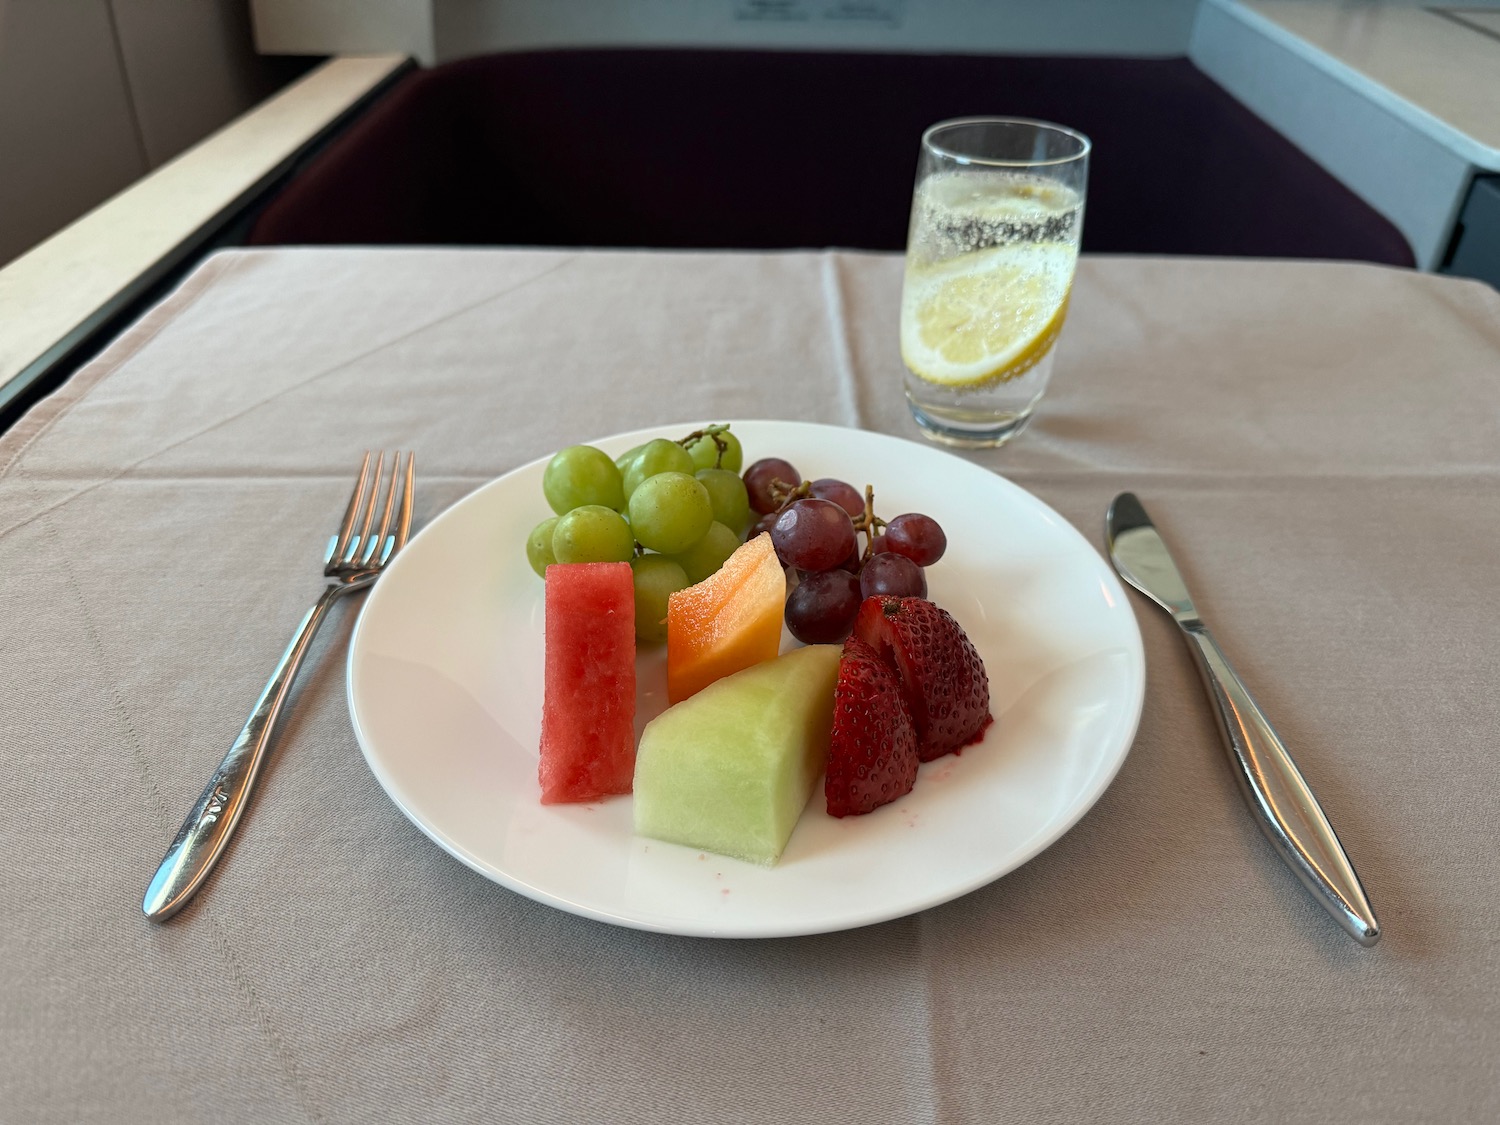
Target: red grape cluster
<point>815,527</point>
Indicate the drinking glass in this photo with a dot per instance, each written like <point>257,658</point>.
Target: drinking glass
<point>996,216</point>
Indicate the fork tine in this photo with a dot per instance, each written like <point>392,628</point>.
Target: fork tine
<point>357,543</point>
<point>356,501</point>
<point>404,527</point>
<point>375,546</point>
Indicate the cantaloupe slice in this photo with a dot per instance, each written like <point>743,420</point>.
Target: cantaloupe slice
<point>729,621</point>
<point>731,769</point>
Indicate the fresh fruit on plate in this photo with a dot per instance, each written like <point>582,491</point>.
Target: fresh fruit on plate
<point>715,448</point>
<point>845,495</point>
<point>916,537</point>
<point>726,492</point>
<point>893,574</point>
<point>813,534</point>
<point>872,755</point>
<point>731,769</point>
<point>727,622</point>
<point>815,526</point>
<point>588,708</point>
<point>579,475</point>
<point>539,546</point>
<point>706,556</point>
<point>592,533</point>
<point>670,512</point>
<point>681,498</point>
<point>943,679</point>
<point>657,578</point>
<point>821,608</point>
<point>657,456</point>
<point>768,481</point>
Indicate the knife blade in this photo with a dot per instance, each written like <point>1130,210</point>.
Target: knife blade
<point>1272,785</point>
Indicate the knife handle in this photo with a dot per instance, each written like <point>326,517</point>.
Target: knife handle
<point>1281,800</point>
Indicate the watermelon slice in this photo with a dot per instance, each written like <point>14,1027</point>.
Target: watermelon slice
<point>588,709</point>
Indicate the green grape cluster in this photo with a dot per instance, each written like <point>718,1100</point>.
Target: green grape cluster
<point>674,510</point>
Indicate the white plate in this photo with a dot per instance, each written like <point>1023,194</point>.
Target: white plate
<point>445,689</point>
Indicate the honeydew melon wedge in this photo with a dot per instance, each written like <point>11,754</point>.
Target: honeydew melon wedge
<point>730,769</point>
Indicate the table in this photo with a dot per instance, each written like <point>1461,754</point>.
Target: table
<point>1318,442</point>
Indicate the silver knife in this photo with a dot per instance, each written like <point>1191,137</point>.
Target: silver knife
<point>1273,787</point>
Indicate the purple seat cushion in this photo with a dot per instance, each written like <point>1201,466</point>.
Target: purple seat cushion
<point>761,150</point>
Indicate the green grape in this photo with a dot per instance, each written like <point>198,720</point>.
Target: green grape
<point>657,456</point>
<point>657,578</point>
<point>622,462</point>
<point>579,475</point>
<point>705,452</point>
<point>705,557</point>
<point>539,546</point>
<point>592,533</point>
<point>727,494</point>
<point>670,512</point>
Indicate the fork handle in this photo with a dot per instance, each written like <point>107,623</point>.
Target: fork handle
<point>203,835</point>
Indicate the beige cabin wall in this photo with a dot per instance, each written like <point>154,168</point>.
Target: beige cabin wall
<point>96,93</point>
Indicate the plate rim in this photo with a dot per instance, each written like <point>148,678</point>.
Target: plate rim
<point>1087,800</point>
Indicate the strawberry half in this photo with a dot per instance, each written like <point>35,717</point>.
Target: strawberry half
<point>872,757</point>
<point>944,682</point>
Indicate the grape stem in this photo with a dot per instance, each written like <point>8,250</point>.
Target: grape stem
<point>783,494</point>
<point>721,446</point>
<point>869,523</point>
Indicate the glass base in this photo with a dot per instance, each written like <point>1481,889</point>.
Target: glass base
<point>960,433</point>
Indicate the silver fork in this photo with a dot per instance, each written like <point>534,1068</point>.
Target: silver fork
<point>353,561</point>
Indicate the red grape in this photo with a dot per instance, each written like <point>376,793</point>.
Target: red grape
<point>761,526</point>
<point>761,476</point>
<point>893,574</point>
<point>822,609</point>
<point>878,544</point>
<point>916,536</point>
<point>845,495</point>
<point>813,535</point>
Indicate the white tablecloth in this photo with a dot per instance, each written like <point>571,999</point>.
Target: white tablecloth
<point>1320,442</point>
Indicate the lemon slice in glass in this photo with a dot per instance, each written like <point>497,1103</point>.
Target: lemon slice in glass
<point>985,317</point>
